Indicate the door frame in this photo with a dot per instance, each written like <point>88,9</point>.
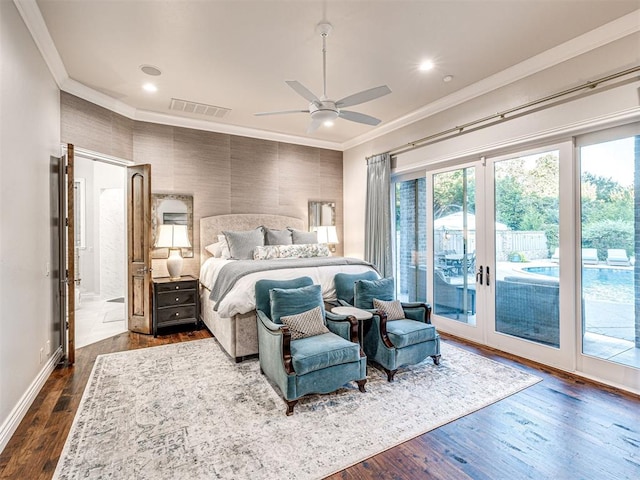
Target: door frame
<point>67,239</point>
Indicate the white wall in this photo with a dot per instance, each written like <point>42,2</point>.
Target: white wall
<point>609,99</point>
<point>29,135</point>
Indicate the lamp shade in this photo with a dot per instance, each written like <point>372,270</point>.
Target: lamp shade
<point>173,236</point>
<point>327,234</point>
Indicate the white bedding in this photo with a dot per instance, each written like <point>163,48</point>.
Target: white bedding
<point>242,299</point>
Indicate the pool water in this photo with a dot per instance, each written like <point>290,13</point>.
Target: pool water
<point>605,284</point>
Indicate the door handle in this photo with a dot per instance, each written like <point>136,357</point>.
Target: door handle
<point>143,270</point>
<point>479,275</point>
<point>488,275</point>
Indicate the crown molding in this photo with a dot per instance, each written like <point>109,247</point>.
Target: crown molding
<point>32,17</point>
<point>598,37</point>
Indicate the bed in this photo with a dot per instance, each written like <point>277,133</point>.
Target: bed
<point>232,317</point>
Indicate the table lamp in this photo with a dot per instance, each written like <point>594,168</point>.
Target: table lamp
<point>328,235</point>
<point>173,237</point>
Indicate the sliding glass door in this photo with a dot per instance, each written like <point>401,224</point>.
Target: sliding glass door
<point>609,169</point>
<point>533,253</point>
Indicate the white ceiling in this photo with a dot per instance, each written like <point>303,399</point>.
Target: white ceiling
<point>238,54</point>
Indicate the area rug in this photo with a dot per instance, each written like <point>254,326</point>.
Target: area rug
<point>185,411</point>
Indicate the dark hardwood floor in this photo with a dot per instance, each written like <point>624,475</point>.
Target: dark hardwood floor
<point>561,428</point>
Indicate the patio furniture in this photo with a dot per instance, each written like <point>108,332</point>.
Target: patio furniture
<point>529,308</point>
<point>448,296</point>
<point>590,256</point>
<point>618,257</point>
<point>556,255</point>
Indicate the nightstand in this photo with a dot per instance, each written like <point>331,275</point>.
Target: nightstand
<point>175,302</point>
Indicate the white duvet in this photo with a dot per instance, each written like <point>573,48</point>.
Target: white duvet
<point>242,298</point>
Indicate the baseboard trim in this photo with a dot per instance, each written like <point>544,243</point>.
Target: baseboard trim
<point>10,425</point>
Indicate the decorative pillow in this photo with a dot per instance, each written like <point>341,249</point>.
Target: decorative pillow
<point>393,309</point>
<point>263,287</point>
<point>305,324</point>
<point>306,250</point>
<point>277,237</point>
<point>215,249</point>
<point>224,251</point>
<point>291,301</point>
<point>301,237</point>
<point>242,244</point>
<point>266,252</point>
<point>364,291</point>
<point>345,281</point>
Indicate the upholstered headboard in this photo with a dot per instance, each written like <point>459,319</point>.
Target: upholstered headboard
<point>211,227</point>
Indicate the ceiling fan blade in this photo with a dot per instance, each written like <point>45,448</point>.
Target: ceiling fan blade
<point>302,91</point>
<point>359,117</point>
<point>260,114</point>
<point>314,125</point>
<point>364,96</point>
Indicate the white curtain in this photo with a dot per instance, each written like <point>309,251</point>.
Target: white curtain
<point>377,238</point>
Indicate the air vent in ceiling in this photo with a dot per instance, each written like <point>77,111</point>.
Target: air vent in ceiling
<point>186,106</point>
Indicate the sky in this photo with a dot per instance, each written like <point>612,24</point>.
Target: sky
<point>613,159</point>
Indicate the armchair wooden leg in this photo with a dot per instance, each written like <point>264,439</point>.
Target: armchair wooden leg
<point>290,405</point>
<point>361,385</point>
<point>436,359</point>
<point>390,374</point>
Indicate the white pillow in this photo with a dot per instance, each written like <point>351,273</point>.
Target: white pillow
<point>215,249</point>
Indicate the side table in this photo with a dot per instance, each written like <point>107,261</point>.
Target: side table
<point>361,316</point>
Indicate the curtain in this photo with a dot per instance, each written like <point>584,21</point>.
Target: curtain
<point>377,236</point>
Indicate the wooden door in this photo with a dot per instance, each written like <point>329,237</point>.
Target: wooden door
<point>139,248</point>
<point>71,256</point>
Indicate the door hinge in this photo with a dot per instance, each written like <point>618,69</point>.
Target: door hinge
<point>66,222</point>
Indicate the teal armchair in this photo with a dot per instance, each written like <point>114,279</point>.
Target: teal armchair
<point>390,343</point>
<point>320,363</point>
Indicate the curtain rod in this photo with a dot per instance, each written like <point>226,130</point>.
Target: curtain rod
<point>501,115</point>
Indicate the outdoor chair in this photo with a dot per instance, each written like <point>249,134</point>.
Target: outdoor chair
<point>590,256</point>
<point>302,348</point>
<point>399,333</point>
<point>617,257</point>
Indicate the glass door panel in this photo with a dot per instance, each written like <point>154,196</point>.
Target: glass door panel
<point>610,221</point>
<point>526,234</point>
<point>454,242</point>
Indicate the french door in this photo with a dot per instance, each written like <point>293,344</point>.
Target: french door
<point>494,226</point>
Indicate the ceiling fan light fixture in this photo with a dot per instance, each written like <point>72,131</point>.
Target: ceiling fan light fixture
<point>328,123</point>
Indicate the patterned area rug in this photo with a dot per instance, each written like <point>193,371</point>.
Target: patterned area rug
<point>185,411</point>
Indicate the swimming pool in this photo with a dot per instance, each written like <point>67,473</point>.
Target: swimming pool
<point>599,283</point>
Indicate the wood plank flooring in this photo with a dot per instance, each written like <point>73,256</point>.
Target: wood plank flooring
<point>560,428</point>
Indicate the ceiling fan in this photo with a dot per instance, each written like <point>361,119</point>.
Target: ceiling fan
<point>324,109</point>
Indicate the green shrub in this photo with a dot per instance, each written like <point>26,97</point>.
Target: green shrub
<point>607,234</point>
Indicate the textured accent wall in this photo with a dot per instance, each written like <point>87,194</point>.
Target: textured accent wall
<point>224,173</point>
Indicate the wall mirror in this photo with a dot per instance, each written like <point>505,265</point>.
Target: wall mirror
<point>322,214</point>
<point>173,209</point>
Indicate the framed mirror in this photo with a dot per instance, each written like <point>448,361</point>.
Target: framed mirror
<point>322,214</point>
<point>172,209</point>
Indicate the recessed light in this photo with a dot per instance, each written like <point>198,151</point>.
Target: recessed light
<point>447,78</point>
<point>426,65</point>
<point>150,70</point>
<point>150,87</point>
